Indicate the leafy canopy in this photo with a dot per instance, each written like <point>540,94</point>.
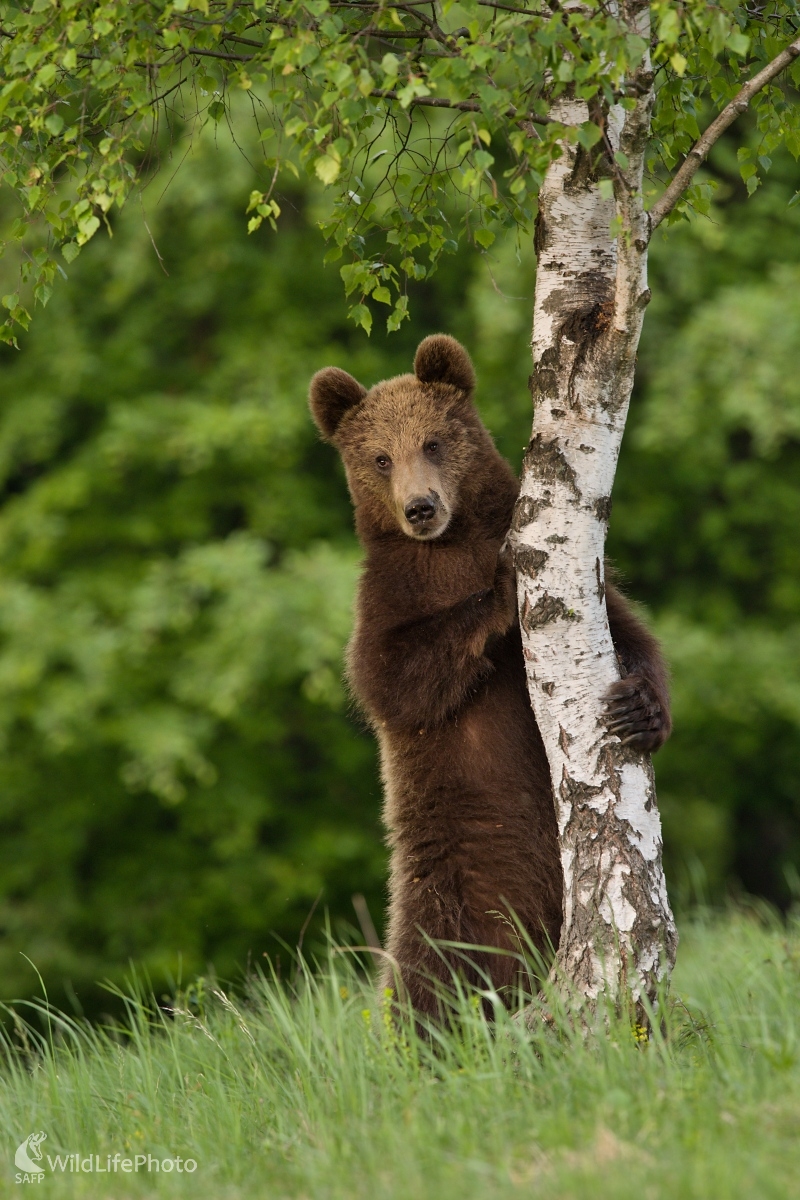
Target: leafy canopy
<point>425,120</point>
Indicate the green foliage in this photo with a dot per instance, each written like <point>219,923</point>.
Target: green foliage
<point>421,127</point>
<point>311,1090</point>
<point>180,776</point>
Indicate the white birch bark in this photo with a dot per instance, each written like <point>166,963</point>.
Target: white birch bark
<point>618,934</point>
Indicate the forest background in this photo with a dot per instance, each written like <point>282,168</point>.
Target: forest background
<point>182,780</point>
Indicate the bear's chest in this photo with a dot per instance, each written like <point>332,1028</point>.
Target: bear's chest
<point>438,577</point>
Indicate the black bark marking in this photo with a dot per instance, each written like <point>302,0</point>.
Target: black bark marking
<point>586,324</point>
<point>564,740</point>
<point>528,560</point>
<point>539,234</point>
<point>601,587</point>
<point>556,539</point>
<point>546,609</point>
<point>576,301</point>
<point>602,508</point>
<point>547,463</point>
<point>526,510</point>
<point>544,384</point>
<point>587,168</point>
<point>548,688</point>
<point>585,309</point>
<point>577,793</point>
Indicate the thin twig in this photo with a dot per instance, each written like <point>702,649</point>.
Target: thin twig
<point>383,34</point>
<point>153,240</point>
<point>698,153</point>
<point>463,105</point>
<point>526,12</point>
<point>220,54</point>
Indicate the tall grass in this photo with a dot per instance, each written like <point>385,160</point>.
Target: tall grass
<point>311,1090</point>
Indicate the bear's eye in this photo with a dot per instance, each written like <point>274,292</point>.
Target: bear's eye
<point>432,446</point>
<point>383,462</point>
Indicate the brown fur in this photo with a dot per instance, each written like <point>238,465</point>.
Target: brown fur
<point>436,663</point>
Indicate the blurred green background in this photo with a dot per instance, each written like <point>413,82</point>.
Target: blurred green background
<point>180,776</point>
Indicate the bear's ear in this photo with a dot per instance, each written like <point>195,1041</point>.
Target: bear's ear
<point>331,394</point>
<point>441,359</point>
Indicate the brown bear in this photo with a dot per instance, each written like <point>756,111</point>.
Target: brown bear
<point>436,664</point>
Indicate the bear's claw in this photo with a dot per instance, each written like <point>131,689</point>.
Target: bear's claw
<point>634,715</point>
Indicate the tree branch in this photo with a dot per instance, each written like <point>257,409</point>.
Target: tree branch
<point>219,54</point>
<point>463,105</point>
<point>697,155</point>
<point>526,12</point>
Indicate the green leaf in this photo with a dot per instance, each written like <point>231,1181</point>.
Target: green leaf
<point>589,134</point>
<point>669,27</point>
<point>365,82</point>
<point>362,316</point>
<point>484,237</point>
<point>327,167</point>
<point>70,251</point>
<point>400,314</point>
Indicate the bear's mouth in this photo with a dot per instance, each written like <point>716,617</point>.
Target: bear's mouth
<point>430,535</point>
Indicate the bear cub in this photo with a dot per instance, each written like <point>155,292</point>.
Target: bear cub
<point>435,662</point>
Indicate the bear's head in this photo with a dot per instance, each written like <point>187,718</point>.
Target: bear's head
<point>408,443</point>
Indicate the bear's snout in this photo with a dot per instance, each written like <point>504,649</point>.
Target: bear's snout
<point>425,515</point>
<point>418,497</point>
<point>420,511</point>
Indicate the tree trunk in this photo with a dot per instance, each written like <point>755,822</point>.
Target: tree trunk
<point>618,936</point>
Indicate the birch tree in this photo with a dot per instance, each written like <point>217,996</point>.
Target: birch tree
<point>576,122</point>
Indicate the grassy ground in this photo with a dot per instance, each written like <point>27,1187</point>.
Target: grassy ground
<point>315,1094</point>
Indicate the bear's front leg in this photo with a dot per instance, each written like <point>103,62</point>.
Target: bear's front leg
<point>637,708</point>
<point>416,674</point>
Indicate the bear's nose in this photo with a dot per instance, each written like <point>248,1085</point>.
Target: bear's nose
<point>419,511</point>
